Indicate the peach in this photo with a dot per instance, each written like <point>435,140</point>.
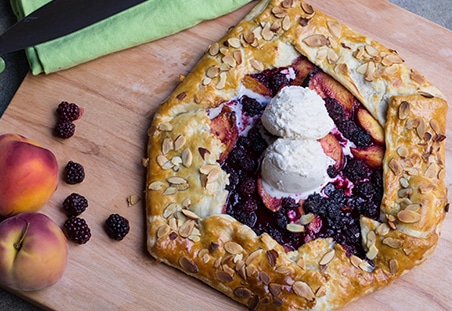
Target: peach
<point>333,149</point>
<point>33,252</point>
<point>29,175</point>
<point>272,203</point>
<point>223,126</point>
<point>372,155</point>
<point>371,125</point>
<point>326,86</point>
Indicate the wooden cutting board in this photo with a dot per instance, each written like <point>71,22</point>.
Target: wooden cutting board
<point>120,93</point>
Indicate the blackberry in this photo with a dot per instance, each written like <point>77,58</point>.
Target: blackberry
<point>75,204</point>
<point>77,230</point>
<point>356,170</point>
<point>117,226</point>
<point>74,173</point>
<point>277,82</point>
<point>249,205</point>
<point>251,106</point>
<point>247,187</point>
<point>247,218</point>
<point>64,129</point>
<point>68,111</point>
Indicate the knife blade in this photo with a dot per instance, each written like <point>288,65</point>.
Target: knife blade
<point>59,18</point>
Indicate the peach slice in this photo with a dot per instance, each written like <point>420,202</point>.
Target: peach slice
<point>371,125</point>
<point>270,202</point>
<point>333,149</point>
<point>327,87</point>
<point>253,85</point>
<point>371,155</point>
<point>224,127</point>
<point>303,68</point>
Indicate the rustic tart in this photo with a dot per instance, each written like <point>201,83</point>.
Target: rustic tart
<point>300,165</point>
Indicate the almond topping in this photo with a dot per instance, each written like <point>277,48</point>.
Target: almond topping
<point>188,265</point>
<point>187,228</point>
<point>213,71</point>
<point>234,42</point>
<point>408,216</point>
<point>233,248</point>
<point>176,180</point>
<point>165,127</point>
<point>222,82</point>
<point>286,23</point>
<point>267,34</point>
<point>303,290</point>
<point>293,227</point>
<point>257,64</point>
<point>187,157</point>
<point>393,243</point>
<point>167,145</point>
<point>327,258</point>
<point>214,49</point>
<point>190,214</point>
<point>307,8</point>
<point>315,40</point>
<point>335,28</point>
<point>393,266</point>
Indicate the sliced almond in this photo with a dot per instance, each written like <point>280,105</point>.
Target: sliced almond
<point>393,243</point>
<point>315,40</point>
<point>408,216</point>
<point>222,81</point>
<point>213,71</point>
<point>214,49</point>
<point>302,289</point>
<point>286,23</point>
<point>335,28</point>
<point>328,257</point>
<point>295,228</point>
<point>156,185</point>
<point>257,65</point>
<point>234,42</point>
<point>167,145</point>
<point>189,214</point>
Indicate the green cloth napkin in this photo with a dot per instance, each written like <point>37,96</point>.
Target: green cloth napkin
<point>150,20</point>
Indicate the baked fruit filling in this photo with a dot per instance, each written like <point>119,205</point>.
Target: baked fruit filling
<point>350,183</point>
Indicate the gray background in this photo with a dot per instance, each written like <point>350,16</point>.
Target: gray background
<point>438,11</point>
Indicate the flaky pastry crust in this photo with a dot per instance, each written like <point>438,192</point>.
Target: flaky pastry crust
<point>185,190</point>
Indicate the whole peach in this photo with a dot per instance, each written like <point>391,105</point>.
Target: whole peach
<point>33,252</point>
<point>29,175</point>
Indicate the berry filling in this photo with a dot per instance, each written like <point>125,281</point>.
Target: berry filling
<point>355,187</point>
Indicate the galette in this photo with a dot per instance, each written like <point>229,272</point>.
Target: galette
<point>300,165</point>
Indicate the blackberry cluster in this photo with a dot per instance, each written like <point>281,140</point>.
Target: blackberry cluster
<point>74,173</point>
<point>67,113</point>
<point>75,204</point>
<point>117,226</point>
<point>77,230</point>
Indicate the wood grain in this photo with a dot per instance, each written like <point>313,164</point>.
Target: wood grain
<point>120,93</point>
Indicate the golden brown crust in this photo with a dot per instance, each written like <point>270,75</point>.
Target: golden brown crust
<point>185,191</point>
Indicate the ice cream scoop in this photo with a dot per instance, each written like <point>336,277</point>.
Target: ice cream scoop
<point>297,113</point>
<point>295,166</point>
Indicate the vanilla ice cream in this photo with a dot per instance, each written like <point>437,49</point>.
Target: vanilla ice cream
<point>297,113</point>
<point>295,166</point>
